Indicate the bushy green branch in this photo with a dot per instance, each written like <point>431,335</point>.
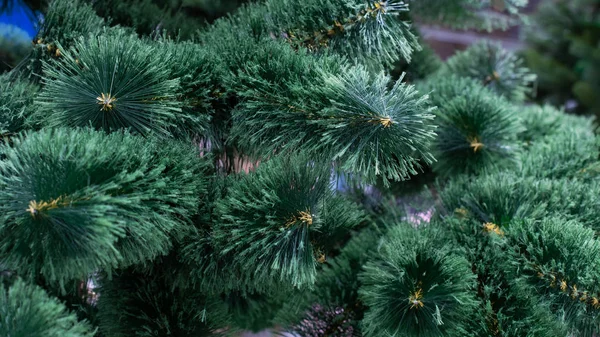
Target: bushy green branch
<point>413,289</point>
<point>73,201</point>
<point>354,118</point>
<point>110,83</point>
<point>273,221</point>
<point>26,310</point>
<point>494,67</point>
<point>476,129</point>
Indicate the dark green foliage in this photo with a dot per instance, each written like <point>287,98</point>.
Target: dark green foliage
<point>339,309</point>
<point>565,54</point>
<point>503,197</point>
<point>497,198</point>
<point>545,121</point>
<point>501,71</point>
<point>177,18</point>
<point>26,310</point>
<point>556,261</point>
<point>443,88</point>
<point>144,304</point>
<point>426,63</point>
<point>73,201</point>
<point>252,175</point>
<point>111,83</point>
<point>387,131</point>
<point>564,155</point>
<point>573,199</point>
<point>149,17</point>
<point>259,311</point>
<point>412,288</point>
<point>372,32</point>
<point>476,129</point>
<point>353,118</point>
<point>16,104</point>
<point>64,22</point>
<point>357,28</point>
<point>199,72</point>
<point>274,223</point>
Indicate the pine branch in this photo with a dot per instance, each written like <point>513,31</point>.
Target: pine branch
<point>558,261</point>
<point>412,289</point>
<point>73,201</point>
<point>469,14</point>
<point>137,303</point>
<point>497,69</point>
<point>16,105</point>
<point>363,30</point>
<point>111,82</point>
<point>28,311</point>
<point>477,130</point>
<point>269,221</point>
<point>295,101</point>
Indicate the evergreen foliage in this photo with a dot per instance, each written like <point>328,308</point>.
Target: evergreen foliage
<point>412,289</point>
<point>16,104</point>
<point>564,52</point>
<point>544,121</point>
<point>556,261</point>
<point>469,14</point>
<point>476,130</point>
<point>84,198</point>
<point>354,117</point>
<point>288,215</point>
<point>110,83</point>
<point>27,310</point>
<point>501,71</point>
<point>64,22</point>
<point>143,303</point>
<point>164,172</point>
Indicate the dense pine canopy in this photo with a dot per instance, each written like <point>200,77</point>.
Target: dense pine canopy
<point>310,167</point>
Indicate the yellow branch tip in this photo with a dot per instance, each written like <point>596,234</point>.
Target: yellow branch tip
<point>415,299</point>
<point>385,121</point>
<point>107,101</point>
<point>476,145</point>
<point>491,227</point>
<point>303,216</point>
<point>35,208</point>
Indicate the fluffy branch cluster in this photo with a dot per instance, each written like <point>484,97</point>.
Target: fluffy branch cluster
<point>270,170</point>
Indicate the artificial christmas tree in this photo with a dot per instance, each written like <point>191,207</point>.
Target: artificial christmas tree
<point>368,203</point>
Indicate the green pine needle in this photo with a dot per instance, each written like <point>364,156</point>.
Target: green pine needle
<point>477,130</point>
<point>273,221</point>
<point>110,83</point>
<point>145,304</point>
<point>494,67</point>
<point>415,287</point>
<point>72,201</point>
<point>16,104</point>
<point>27,310</point>
<point>344,112</point>
<point>557,261</point>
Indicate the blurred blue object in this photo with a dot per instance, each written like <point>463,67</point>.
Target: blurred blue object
<point>20,16</point>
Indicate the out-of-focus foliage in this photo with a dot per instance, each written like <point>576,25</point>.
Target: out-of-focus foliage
<point>564,51</point>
